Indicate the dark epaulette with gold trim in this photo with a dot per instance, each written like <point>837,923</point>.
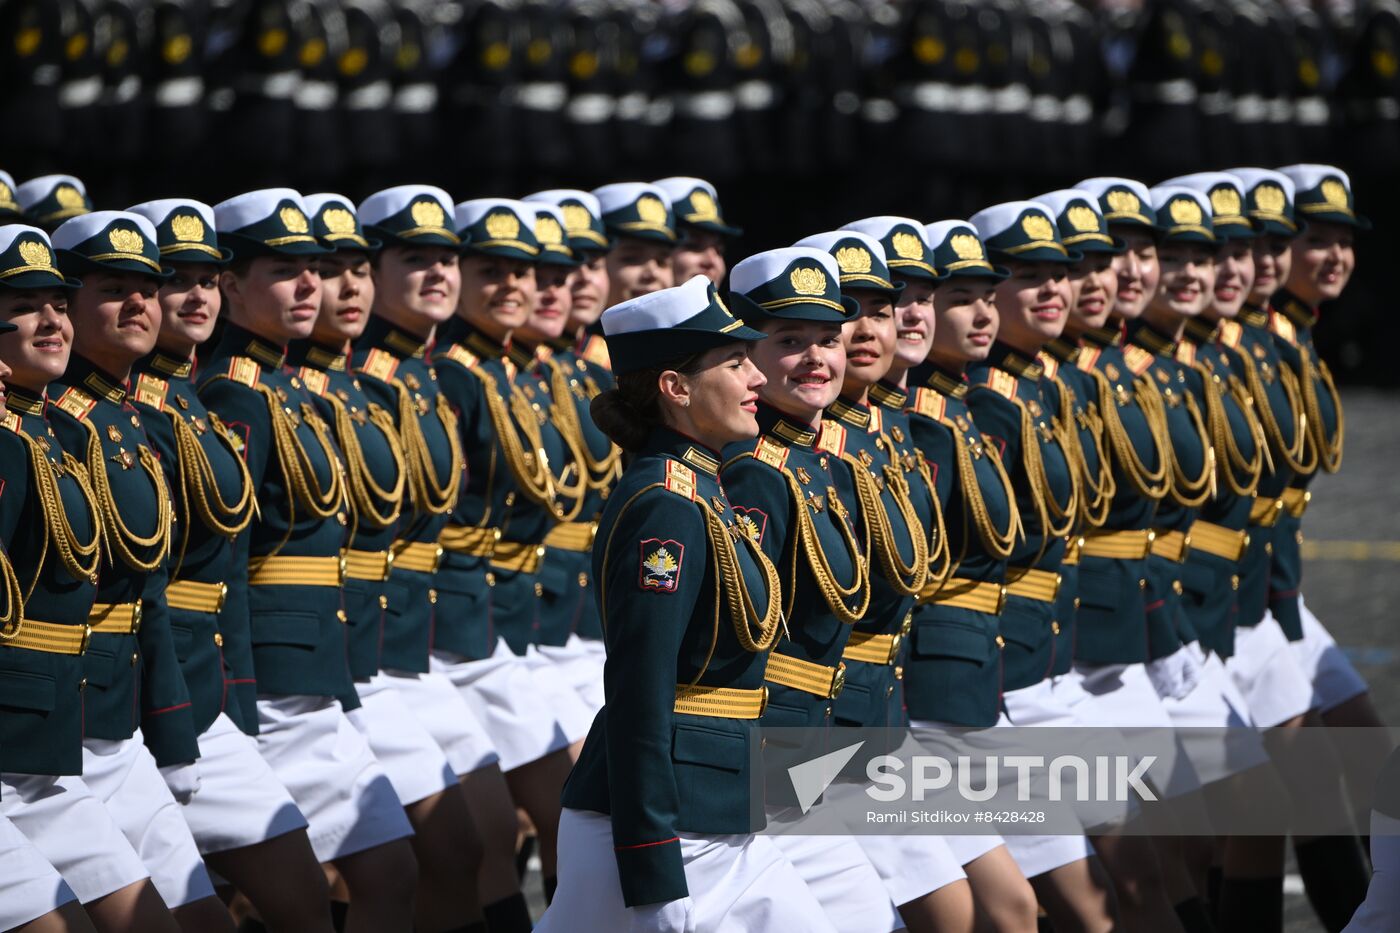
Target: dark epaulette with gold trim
<point>462,356</point>
<point>832,439</point>
<point>772,452</point>
<point>151,391</point>
<point>680,479</point>
<point>1088,356</point>
<point>10,422</point>
<point>1231,333</point>
<point>380,364</point>
<point>76,402</point>
<point>244,371</point>
<point>1138,359</point>
<point>929,403</point>
<point>595,351</point>
<point>1048,363</point>
<point>1281,326</point>
<point>314,379</point>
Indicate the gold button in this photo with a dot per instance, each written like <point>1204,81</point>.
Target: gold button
<point>899,673</point>
<point>539,590</point>
<point>889,691</point>
<point>1142,584</point>
<point>490,578</point>
<point>1076,602</point>
<point>1298,536</point>
<point>583,579</point>
<point>1269,548</point>
<point>432,597</point>
<point>383,602</point>
<point>1234,581</point>
<point>340,517</point>
<point>82,684</point>
<point>1001,642</point>
<point>135,659</point>
<point>1054,627</point>
<point>340,614</point>
<point>1176,587</point>
<point>218,639</point>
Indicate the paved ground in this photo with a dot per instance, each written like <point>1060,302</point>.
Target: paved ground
<point>1352,578</point>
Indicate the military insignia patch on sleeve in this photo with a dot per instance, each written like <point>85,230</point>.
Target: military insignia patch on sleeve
<point>752,522</point>
<point>660,565</point>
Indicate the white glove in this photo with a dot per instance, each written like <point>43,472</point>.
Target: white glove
<point>1176,675</point>
<point>669,917</point>
<point>182,779</point>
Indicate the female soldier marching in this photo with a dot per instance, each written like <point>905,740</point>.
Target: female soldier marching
<point>657,830</point>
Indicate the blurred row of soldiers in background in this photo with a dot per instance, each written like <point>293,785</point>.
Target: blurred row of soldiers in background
<point>260,90</point>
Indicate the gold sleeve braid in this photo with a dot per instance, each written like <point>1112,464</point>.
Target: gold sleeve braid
<point>372,503</point>
<point>13,614</point>
<point>80,559</point>
<point>1148,483</point>
<point>1056,520</point>
<point>756,633</point>
<point>999,544</point>
<point>121,539</point>
<point>1328,450</point>
<point>1241,474</point>
<point>298,473</point>
<point>600,473</point>
<point>1291,456</point>
<point>199,488</point>
<point>1096,491</point>
<point>832,591</point>
<point>429,492</point>
<point>526,459</point>
<point>940,555</point>
<point>1191,491</point>
<point>906,578</point>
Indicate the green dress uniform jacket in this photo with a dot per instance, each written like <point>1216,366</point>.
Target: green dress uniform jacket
<point>1291,322</point>
<point>292,550</point>
<point>41,495</point>
<point>954,668</point>
<point>368,446</point>
<point>510,497</point>
<point>1183,397</point>
<point>1210,575</point>
<point>675,748</point>
<point>796,497</point>
<point>1112,625</point>
<point>213,500</point>
<point>133,672</point>
<point>1072,398</point>
<point>1278,401</point>
<point>567,606</point>
<point>393,368</point>
<point>1005,397</point>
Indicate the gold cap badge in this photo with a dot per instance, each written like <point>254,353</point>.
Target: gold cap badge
<point>1123,202</point>
<point>966,246</point>
<point>1084,219</point>
<point>338,220</point>
<point>35,253</point>
<point>808,281</point>
<point>907,246</point>
<point>1225,202</point>
<point>502,225</point>
<point>68,197</point>
<point>293,219</point>
<point>1037,227</point>
<point>548,231</point>
<point>126,241</point>
<point>853,259</point>
<point>577,218</point>
<point>187,228</point>
<point>1334,193</point>
<point>651,210</point>
<point>1270,198</point>
<point>703,206</point>
<point>427,213</point>
<point>1184,210</point>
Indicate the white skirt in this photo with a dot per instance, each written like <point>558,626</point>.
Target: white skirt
<point>1266,671</point>
<point>912,866</point>
<point>439,708</point>
<point>1121,696</point>
<point>123,775</point>
<point>240,802</point>
<point>580,662</point>
<point>1334,678</point>
<point>1231,744</point>
<point>29,885</point>
<point>841,877</point>
<point>1380,912</point>
<point>556,679</point>
<point>409,755</point>
<point>738,884</point>
<point>327,766</point>
<point>73,831</point>
<point>507,700</point>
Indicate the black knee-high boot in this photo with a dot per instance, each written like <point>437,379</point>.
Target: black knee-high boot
<point>1335,876</point>
<point>1251,905</point>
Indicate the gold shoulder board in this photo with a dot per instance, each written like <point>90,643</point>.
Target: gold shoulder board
<point>680,479</point>
<point>381,364</point>
<point>1231,333</point>
<point>1002,383</point>
<point>243,370</point>
<point>1283,327</point>
<point>832,439</point>
<point>77,403</point>
<point>314,379</point>
<point>771,452</point>
<point>1088,356</point>
<point>151,390</point>
<point>1048,363</point>
<point>929,403</point>
<point>10,422</point>
<point>462,356</point>
<point>1137,358</point>
<point>596,352</point>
